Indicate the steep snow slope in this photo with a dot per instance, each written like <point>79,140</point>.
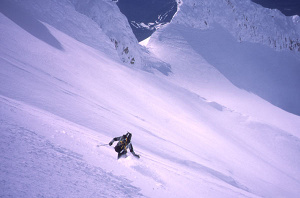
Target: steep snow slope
<point>61,97</point>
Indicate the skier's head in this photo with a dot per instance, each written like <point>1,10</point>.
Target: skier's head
<point>128,136</point>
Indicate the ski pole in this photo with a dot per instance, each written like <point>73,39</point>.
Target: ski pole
<point>102,145</point>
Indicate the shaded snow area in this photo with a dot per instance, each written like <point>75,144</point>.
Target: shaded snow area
<point>201,131</point>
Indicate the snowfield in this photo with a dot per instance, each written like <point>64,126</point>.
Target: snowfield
<point>65,91</point>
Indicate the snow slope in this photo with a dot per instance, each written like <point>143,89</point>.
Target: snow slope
<point>60,97</point>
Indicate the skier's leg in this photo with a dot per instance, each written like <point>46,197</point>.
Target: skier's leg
<point>122,153</point>
<point>119,155</point>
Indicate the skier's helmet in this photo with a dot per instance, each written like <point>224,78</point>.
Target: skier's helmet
<point>128,136</point>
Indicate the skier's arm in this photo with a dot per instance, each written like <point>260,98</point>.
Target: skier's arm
<point>115,139</point>
<point>132,151</point>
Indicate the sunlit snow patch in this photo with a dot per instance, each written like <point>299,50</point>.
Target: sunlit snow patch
<point>129,161</point>
<point>145,42</point>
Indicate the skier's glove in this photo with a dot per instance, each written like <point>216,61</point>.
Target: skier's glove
<point>110,143</point>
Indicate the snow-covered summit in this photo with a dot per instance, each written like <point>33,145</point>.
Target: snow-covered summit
<point>245,20</point>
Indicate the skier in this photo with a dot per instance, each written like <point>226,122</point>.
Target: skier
<point>123,144</point>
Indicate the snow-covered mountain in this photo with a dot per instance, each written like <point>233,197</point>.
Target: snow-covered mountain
<point>107,22</point>
<point>257,49</point>
<point>245,20</point>
<point>192,99</point>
